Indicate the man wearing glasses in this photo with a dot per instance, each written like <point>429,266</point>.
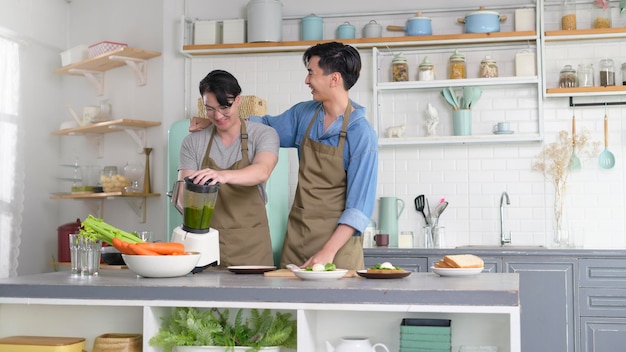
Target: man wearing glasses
<point>338,153</point>
<point>240,156</point>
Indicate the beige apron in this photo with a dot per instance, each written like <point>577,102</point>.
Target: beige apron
<point>240,216</point>
<point>319,202</point>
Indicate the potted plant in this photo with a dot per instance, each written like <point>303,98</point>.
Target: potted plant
<point>192,330</point>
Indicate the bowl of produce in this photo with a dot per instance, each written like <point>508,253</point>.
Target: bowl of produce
<point>161,265</point>
<point>111,256</point>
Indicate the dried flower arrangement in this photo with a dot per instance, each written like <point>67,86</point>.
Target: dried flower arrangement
<point>554,162</point>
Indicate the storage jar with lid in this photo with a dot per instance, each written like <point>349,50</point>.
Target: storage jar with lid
<point>312,27</point>
<point>426,70</point>
<point>346,31</point>
<point>624,74</point>
<point>585,75</point>
<point>399,68</point>
<point>601,15</point>
<point>488,68</point>
<point>456,66</point>
<point>568,14</point>
<point>567,77</point>
<point>607,72</point>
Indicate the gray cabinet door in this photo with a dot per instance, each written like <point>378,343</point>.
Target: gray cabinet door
<point>547,302</point>
<point>603,334</point>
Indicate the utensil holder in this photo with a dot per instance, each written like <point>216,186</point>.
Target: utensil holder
<point>462,122</point>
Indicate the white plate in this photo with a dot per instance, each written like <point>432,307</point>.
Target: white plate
<point>456,271</point>
<point>321,275</point>
<point>503,132</point>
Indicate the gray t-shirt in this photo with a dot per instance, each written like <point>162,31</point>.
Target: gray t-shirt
<point>260,138</point>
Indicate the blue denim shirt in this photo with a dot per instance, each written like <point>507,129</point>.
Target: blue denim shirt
<point>360,158</point>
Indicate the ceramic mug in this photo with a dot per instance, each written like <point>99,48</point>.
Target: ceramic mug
<point>501,127</point>
<point>382,240</point>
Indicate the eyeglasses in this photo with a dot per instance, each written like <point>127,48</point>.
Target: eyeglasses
<point>210,111</point>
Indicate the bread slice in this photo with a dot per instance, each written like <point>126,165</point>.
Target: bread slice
<point>463,261</point>
<point>442,264</point>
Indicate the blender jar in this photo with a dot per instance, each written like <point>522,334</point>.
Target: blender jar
<point>198,205</point>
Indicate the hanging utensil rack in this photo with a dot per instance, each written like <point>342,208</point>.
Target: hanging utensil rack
<point>571,103</point>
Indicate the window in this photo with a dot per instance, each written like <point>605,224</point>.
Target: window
<point>10,198</point>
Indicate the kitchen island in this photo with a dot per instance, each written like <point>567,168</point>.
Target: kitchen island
<point>484,308</point>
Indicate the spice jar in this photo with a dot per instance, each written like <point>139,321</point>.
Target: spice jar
<point>568,14</point>
<point>426,70</point>
<point>456,66</point>
<point>607,72</point>
<point>488,68</point>
<point>567,77</point>
<point>399,68</point>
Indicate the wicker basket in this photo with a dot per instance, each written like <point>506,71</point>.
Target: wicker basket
<point>118,343</point>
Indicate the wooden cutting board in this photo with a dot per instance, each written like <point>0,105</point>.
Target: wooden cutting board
<point>289,273</point>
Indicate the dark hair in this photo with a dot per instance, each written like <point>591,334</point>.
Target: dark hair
<point>222,84</point>
<point>337,57</point>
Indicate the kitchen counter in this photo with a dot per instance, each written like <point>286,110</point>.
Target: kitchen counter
<point>221,285</point>
<point>497,250</point>
<point>484,308</point>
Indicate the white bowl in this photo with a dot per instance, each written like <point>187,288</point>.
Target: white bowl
<point>161,265</point>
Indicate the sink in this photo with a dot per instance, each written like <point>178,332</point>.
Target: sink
<point>506,247</point>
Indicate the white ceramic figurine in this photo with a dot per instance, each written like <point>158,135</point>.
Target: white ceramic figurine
<point>432,121</point>
<point>395,131</point>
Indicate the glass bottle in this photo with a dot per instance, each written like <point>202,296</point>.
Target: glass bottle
<point>399,68</point>
<point>426,70</point>
<point>456,66</point>
<point>607,72</point>
<point>488,68</point>
<point>568,14</point>
<point>567,77</point>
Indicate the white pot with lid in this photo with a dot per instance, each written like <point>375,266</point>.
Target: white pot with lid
<point>372,30</point>
<point>265,21</point>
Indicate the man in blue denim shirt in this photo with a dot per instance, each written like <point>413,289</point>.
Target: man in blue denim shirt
<point>338,153</point>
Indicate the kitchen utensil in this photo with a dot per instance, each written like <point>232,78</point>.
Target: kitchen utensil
<point>574,162</point>
<point>372,30</point>
<point>420,203</point>
<point>434,218</point>
<point>415,26</point>
<point>482,21</point>
<point>607,159</point>
<point>312,27</point>
<point>390,210</point>
<point>354,344</point>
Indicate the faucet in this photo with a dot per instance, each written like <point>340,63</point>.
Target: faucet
<point>503,239</point>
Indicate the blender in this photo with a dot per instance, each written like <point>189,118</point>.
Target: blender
<point>196,207</point>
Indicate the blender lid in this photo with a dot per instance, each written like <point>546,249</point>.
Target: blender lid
<point>197,188</point>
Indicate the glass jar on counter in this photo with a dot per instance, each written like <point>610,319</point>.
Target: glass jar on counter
<point>568,14</point>
<point>426,70</point>
<point>399,68</point>
<point>456,66</point>
<point>488,68</point>
<point>607,72</point>
<point>567,77</point>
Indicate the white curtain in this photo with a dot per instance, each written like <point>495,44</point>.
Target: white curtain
<point>11,156</point>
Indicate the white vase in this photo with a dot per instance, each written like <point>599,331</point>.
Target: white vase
<point>220,349</point>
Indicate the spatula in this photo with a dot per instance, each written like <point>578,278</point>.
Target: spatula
<point>574,162</point>
<point>420,203</point>
<point>607,159</point>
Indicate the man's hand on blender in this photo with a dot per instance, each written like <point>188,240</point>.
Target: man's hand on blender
<point>208,176</point>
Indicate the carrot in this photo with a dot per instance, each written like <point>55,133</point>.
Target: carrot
<point>141,250</point>
<point>121,246</point>
<point>165,248</point>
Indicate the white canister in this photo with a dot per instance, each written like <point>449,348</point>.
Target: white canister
<point>525,64</point>
<point>265,21</point>
<point>206,32</point>
<point>524,20</point>
<point>234,31</point>
<point>372,30</point>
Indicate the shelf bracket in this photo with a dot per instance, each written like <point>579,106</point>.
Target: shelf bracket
<point>138,205</point>
<point>139,67</point>
<point>571,103</point>
<point>96,206</point>
<point>139,136</point>
<point>95,77</point>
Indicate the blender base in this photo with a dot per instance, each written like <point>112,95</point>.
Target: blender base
<point>207,244</point>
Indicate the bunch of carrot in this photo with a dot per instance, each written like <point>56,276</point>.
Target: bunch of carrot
<point>127,242</point>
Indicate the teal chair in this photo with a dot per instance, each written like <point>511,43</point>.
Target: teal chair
<point>277,189</point>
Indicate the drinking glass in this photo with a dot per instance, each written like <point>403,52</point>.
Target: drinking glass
<point>89,253</point>
<point>74,257</point>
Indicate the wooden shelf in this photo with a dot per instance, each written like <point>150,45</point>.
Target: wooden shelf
<point>101,195</point>
<point>582,34</point>
<point>104,62</point>
<point>578,91</point>
<point>108,127</point>
<point>431,40</point>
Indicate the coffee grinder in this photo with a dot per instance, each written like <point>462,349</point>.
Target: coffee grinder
<point>196,207</point>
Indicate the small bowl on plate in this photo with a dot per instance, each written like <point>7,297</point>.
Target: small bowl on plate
<point>162,265</point>
<point>320,275</point>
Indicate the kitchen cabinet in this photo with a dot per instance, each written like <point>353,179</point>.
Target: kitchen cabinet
<point>484,309</point>
<point>93,69</point>
<point>602,303</point>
